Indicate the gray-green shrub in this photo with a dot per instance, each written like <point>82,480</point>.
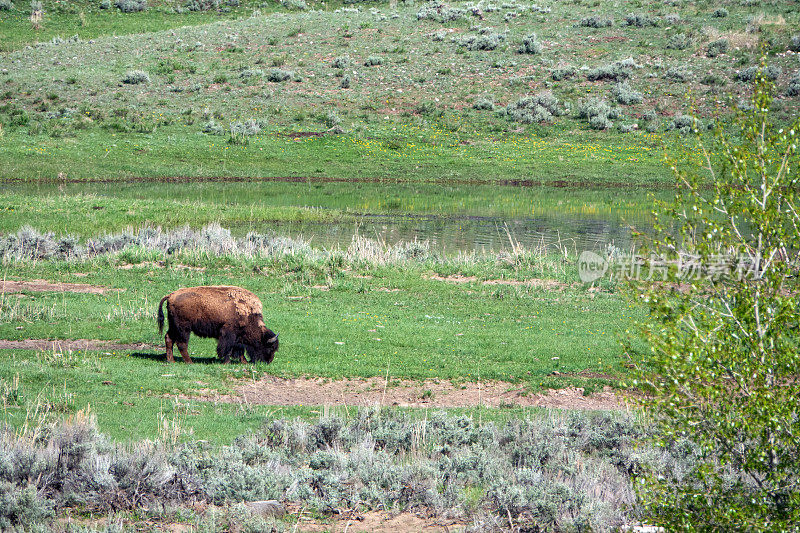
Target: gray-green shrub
<point>251,73</point>
<point>794,43</point>
<point>483,104</point>
<point>440,12</point>
<point>135,77</point>
<point>202,5</point>
<point>626,95</point>
<point>6,5</point>
<point>562,73</point>
<point>771,72</point>
<point>341,62</point>
<point>640,20</point>
<point>679,41</point>
<point>794,85</point>
<point>684,124</point>
<point>717,47</point>
<point>278,75</point>
<point>720,13</point>
<point>533,109</point>
<point>131,6</point>
<point>373,61</point>
<point>596,22</point>
<point>213,128</point>
<point>679,74</point>
<point>618,70</point>
<point>483,41</point>
<point>294,5</point>
<point>597,113</point>
<point>530,45</point>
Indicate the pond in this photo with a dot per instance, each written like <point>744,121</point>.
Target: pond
<point>453,218</point>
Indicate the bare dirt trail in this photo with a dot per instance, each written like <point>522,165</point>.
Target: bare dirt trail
<point>71,345</point>
<point>40,285</point>
<point>271,390</point>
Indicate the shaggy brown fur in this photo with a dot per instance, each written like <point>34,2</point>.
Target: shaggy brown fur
<point>231,315</point>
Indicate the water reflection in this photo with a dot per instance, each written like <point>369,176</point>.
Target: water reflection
<point>452,218</point>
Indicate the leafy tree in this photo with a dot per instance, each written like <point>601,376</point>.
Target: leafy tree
<point>722,374</point>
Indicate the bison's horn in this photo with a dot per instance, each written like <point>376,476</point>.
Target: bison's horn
<point>273,340</point>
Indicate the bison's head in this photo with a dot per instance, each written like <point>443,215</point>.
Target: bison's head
<point>269,345</point>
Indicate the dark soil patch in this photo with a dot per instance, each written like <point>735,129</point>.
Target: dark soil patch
<point>40,285</point>
<point>69,345</point>
<point>271,390</point>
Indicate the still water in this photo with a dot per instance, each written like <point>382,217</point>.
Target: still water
<point>453,218</point>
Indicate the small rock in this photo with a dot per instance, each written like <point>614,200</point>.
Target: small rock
<point>267,508</point>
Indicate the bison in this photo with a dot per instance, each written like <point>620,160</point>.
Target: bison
<point>231,315</point>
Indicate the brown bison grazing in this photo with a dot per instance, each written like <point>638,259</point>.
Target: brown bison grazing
<point>231,315</point>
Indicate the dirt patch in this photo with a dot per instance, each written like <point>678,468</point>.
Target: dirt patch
<point>374,521</point>
<point>40,285</point>
<point>271,390</point>
<point>70,345</point>
<point>547,284</point>
<point>160,264</point>
<point>303,134</point>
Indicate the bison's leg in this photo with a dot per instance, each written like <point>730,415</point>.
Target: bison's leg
<point>183,348</point>
<point>168,342</point>
<point>238,354</point>
<point>225,345</point>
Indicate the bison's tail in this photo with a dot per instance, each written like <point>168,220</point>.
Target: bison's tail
<point>161,315</point>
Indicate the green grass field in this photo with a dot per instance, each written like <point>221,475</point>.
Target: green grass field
<point>130,143</point>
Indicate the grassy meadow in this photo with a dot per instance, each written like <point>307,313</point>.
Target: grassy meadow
<point>147,145</point>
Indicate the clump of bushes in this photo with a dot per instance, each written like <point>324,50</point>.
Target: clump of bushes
<point>251,73</point>
<point>794,43</point>
<point>771,72</point>
<point>136,77</point>
<point>625,95</point>
<point>6,5</point>
<point>483,41</point>
<point>202,5</point>
<point>483,104</point>
<point>341,62</point>
<point>131,6</point>
<point>679,74</point>
<point>640,20</point>
<point>294,5</point>
<point>29,244</point>
<point>213,128</point>
<point>440,12</point>
<point>619,70</point>
<point>373,61</point>
<point>241,131</point>
<point>672,18</point>
<point>679,41</point>
<point>684,124</point>
<point>595,22</point>
<point>530,45</point>
<point>534,109</point>
<point>717,47</point>
<point>650,121</point>
<point>720,13</point>
<point>794,85</point>
<point>519,466</point>
<point>562,73</point>
<point>345,83</point>
<point>598,113</point>
<point>278,75</point>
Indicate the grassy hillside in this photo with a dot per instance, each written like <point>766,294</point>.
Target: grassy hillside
<point>579,91</point>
